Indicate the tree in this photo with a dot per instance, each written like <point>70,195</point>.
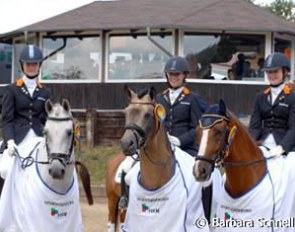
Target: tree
<point>284,8</point>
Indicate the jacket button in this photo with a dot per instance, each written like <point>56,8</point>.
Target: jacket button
<point>31,104</point>
<point>31,123</point>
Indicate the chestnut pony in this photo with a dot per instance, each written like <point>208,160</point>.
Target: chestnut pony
<point>113,192</point>
<point>254,186</point>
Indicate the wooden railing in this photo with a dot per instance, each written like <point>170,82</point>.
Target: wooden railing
<point>100,126</point>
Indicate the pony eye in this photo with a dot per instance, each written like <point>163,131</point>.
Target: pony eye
<point>218,133</point>
<point>147,115</point>
<point>69,132</point>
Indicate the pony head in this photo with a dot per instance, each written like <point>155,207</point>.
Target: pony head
<point>214,131</point>
<point>142,117</point>
<point>59,137</point>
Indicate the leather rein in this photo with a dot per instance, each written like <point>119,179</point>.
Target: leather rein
<point>141,138</point>
<point>64,158</point>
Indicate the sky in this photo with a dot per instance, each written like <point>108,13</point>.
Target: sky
<point>15,14</point>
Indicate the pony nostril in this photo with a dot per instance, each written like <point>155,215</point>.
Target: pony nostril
<point>131,143</point>
<point>62,171</point>
<point>202,170</point>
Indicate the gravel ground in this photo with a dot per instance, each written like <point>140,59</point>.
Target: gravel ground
<point>95,216</point>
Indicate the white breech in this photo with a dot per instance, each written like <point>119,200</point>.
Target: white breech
<point>127,164</point>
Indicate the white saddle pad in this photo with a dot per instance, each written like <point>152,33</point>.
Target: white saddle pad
<point>119,173</point>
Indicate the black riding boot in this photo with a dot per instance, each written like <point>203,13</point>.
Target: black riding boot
<point>207,201</point>
<point>123,203</point>
<point>1,185</point>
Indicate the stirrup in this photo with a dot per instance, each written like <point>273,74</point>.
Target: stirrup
<point>123,202</point>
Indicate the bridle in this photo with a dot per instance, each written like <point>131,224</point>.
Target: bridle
<point>223,153</point>
<point>208,121</point>
<point>64,158</point>
<point>141,137</point>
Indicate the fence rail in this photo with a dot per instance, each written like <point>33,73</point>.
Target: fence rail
<point>100,126</point>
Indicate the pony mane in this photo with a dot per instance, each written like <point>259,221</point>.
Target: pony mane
<point>240,125</point>
<point>215,109</point>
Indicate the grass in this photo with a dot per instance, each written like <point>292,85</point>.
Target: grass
<point>95,160</point>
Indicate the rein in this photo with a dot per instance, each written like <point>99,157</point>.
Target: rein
<point>222,154</point>
<point>29,160</point>
<point>64,158</point>
<point>141,137</point>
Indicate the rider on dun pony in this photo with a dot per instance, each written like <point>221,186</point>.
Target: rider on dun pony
<point>184,109</point>
<point>163,193</point>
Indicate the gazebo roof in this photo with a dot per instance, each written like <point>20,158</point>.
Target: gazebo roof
<point>222,15</point>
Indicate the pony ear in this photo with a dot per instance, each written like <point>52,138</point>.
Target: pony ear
<point>66,105</point>
<point>152,92</point>
<point>48,106</point>
<point>129,92</point>
<point>222,107</point>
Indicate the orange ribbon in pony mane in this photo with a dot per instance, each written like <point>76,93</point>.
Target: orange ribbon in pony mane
<point>232,134</point>
<point>77,133</point>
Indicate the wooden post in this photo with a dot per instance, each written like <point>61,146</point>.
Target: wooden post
<point>90,122</point>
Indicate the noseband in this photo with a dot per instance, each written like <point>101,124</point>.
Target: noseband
<point>141,136</point>
<point>138,133</point>
<point>208,121</point>
<point>64,158</point>
<point>224,152</point>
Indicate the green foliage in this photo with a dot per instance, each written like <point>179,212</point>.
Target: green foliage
<point>284,8</point>
<point>96,159</point>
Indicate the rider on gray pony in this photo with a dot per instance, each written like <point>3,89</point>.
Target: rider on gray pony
<point>23,113</point>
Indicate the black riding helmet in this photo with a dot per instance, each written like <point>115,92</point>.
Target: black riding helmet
<point>30,54</point>
<point>275,61</point>
<point>176,64</point>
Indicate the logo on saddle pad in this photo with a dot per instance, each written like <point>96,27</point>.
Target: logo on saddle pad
<point>146,209</point>
<point>54,213</point>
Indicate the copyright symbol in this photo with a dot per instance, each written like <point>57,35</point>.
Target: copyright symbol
<point>201,223</point>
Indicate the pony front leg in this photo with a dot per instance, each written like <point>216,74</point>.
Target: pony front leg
<point>111,227</point>
<point>113,212</point>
